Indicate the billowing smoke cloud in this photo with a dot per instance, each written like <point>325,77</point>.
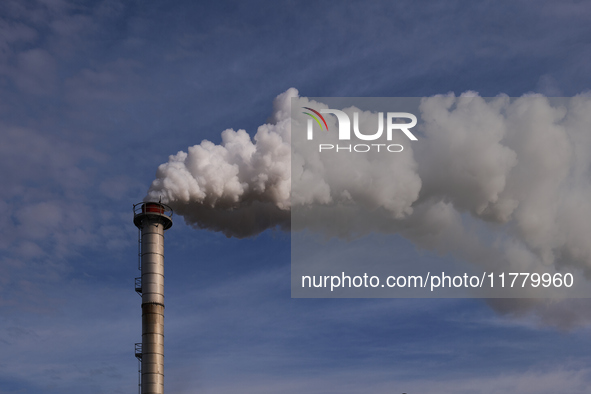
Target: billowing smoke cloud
<point>243,187</point>
<point>239,187</point>
<point>494,182</point>
<point>523,166</point>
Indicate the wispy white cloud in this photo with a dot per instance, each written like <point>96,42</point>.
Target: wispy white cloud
<point>559,380</point>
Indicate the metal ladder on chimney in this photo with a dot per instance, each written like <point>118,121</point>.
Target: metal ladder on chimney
<point>138,355</point>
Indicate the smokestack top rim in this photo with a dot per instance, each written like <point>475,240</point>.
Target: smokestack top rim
<point>152,210</point>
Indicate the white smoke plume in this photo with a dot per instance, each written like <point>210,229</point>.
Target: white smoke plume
<point>239,187</point>
<point>519,169</point>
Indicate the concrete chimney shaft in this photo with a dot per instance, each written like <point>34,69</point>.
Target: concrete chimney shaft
<point>152,219</point>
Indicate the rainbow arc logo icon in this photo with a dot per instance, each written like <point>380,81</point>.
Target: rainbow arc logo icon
<point>315,118</point>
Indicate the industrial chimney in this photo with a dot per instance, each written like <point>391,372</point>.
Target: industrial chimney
<point>152,219</point>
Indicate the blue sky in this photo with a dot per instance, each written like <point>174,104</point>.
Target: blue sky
<point>95,95</point>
